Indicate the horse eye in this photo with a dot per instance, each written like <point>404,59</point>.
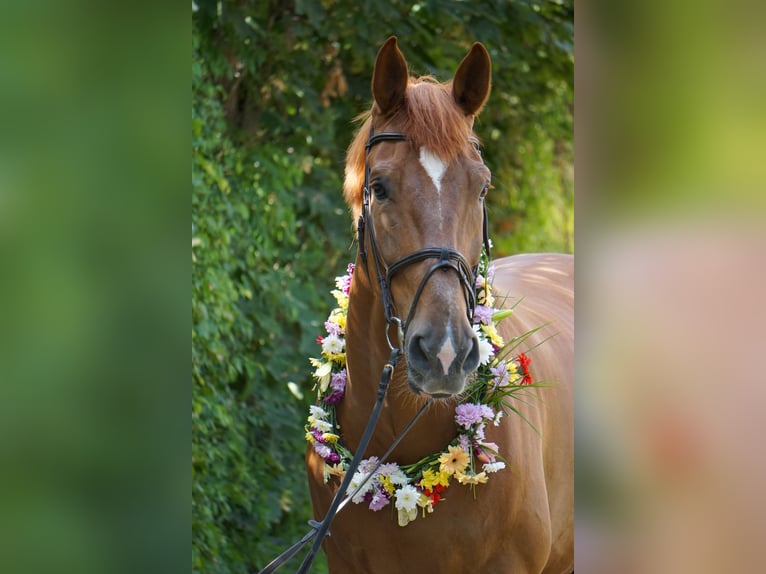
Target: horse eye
<point>484,191</point>
<point>379,190</point>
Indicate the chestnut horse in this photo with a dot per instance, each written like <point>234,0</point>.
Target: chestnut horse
<point>429,191</point>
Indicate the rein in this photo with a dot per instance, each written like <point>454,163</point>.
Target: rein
<point>446,258</point>
<point>321,529</point>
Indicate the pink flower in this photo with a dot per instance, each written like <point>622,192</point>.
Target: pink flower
<point>332,329</point>
<point>486,452</point>
<point>344,282</point>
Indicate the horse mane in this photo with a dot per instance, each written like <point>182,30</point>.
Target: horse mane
<point>429,117</point>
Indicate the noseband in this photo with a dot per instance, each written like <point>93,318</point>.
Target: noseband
<point>446,257</point>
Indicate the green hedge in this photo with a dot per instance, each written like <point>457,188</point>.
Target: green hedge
<point>262,259</point>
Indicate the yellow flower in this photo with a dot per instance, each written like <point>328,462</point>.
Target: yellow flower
<point>453,461</point>
<point>432,478</point>
<point>484,296</point>
<point>341,298</point>
<point>339,318</point>
<point>480,478</point>
<point>332,438</point>
<point>491,332</point>
<point>426,504</point>
<point>310,438</point>
<point>385,481</point>
<point>336,358</point>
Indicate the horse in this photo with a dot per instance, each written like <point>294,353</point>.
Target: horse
<point>426,185</point>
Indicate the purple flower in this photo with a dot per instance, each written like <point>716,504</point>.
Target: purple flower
<point>368,464</point>
<point>464,443</point>
<point>468,414</point>
<point>333,458</point>
<point>334,397</point>
<point>379,500</point>
<point>338,381</point>
<point>482,314</point>
<point>388,468</point>
<point>500,375</point>
<point>323,450</point>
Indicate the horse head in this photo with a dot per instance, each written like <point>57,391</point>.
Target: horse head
<point>416,181</point>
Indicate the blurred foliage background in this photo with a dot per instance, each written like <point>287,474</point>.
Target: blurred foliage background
<point>275,87</point>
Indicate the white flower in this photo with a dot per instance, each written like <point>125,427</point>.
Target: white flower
<point>491,467</point>
<point>356,480</point>
<point>322,426</point>
<point>317,412</point>
<point>398,477</point>
<point>486,350</point>
<point>332,345</point>
<point>407,498</point>
<point>323,375</point>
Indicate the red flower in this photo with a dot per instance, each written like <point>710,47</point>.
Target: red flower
<point>524,363</point>
<point>434,493</point>
<point>319,339</point>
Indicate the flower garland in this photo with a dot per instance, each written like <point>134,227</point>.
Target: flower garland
<point>470,458</point>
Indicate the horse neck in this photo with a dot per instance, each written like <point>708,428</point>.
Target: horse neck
<point>366,353</point>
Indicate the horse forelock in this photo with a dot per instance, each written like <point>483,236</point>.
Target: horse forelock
<point>430,118</point>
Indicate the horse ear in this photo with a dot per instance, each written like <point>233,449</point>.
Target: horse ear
<point>473,80</point>
<point>389,79</point>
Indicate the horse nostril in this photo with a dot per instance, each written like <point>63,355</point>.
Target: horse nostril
<point>471,362</point>
<point>418,353</point>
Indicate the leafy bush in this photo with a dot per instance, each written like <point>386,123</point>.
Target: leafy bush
<point>260,269</point>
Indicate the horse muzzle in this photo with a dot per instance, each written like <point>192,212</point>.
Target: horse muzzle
<point>438,362</point>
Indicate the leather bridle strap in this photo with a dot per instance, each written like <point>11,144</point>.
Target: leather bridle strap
<point>447,258</point>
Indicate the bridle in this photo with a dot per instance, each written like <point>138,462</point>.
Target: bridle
<point>447,258</point>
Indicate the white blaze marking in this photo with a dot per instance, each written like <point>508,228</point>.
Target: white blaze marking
<point>435,168</point>
<point>447,354</point>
